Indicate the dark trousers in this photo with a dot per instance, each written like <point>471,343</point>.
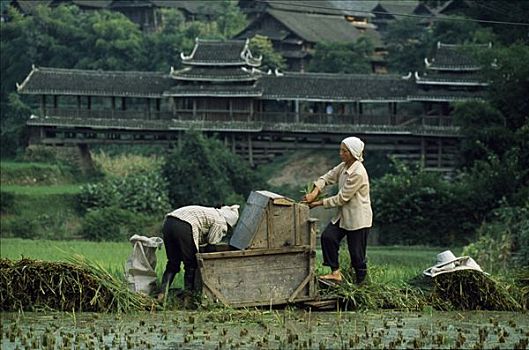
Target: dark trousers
<point>356,243</point>
<point>179,245</point>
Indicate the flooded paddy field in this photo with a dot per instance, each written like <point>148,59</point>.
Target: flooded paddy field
<point>273,329</point>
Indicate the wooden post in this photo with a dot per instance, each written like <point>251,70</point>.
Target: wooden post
<point>43,105</point>
<point>148,107</point>
<point>250,150</point>
<point>78,105</point>
<point>123,104</point>
<point>296,109</point>
<point>113,102</point>
<point>194,108</point>
<point>439,153</point>
<point>423,152</point>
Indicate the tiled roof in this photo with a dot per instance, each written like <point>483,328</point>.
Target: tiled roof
<point>93,3</point>
<point>197,73</point>
<point>215,53</point>
<point>322,28</point>
<point>446,95</point>
<point>307,6</point>
<point>454,57</point>
<point>215,90</point>
<point>195,7</point>
<point>28,6</point>
<point>358,8</point>
<point>333,87</point>
<point>404,7</point>
<point>451,79</point>
<point>55,81</point>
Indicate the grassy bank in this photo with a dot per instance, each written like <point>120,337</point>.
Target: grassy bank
<point>390,264</point>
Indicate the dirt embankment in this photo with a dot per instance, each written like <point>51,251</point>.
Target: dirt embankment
<point>299,168</point>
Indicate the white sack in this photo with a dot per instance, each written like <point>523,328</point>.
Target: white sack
<point>140,269</point>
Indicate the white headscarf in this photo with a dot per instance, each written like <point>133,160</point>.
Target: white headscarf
<point>230,213</point>
<point>355,146</point>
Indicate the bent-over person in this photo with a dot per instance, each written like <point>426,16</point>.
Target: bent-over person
<point>184,231</point>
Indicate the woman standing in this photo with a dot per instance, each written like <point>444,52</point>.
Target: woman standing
<point>354,216</point>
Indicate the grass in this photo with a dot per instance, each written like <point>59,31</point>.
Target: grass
<point>12,165</point>
<point>393,265</point>
<point>42,190</point>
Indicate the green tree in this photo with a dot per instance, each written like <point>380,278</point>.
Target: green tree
<point>407,43</point>
<point>204,172</point>
<point>230,19</point>
<point>484,129</point>
<point>506,68</point>
<point>458,30</point>
<point>271,59</point>
<point>342,57</point>
<point>111,42</point>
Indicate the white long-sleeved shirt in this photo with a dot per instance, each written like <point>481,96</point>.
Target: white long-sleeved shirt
<point>207,224</point>
<point>352,200</point>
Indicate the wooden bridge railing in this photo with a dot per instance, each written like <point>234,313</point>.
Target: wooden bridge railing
<point>264,117</point>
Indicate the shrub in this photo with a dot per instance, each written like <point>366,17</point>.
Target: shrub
<point>503,240</point>
<point>111,224</point>
<point>204,172</point>
<point>7,202</point>
<point>21,227</point>
<point>417,207</point>
<point>141,193</point>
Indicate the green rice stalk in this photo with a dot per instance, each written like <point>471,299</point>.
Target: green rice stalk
<point>309,187</point>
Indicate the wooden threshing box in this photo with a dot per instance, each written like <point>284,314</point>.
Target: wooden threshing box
<point>275,260</point>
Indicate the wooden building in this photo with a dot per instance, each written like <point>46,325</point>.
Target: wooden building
<point>451,75</point>
<point>296,27</point>
<point>257,114</point>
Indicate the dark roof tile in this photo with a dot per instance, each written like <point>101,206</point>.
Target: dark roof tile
<point>456,57</point>
<point>322,28</point>
<point>215,90</point>
<point>214,52</point>
<point>55,81</point>
<point>230,74</point>
<point>336,87</point>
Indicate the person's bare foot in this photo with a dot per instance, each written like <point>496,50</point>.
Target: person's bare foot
<point>334,276</point>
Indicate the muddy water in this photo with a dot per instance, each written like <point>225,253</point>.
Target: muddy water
<point>251,329</point>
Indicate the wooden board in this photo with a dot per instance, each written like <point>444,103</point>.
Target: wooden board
<point>258,277</point>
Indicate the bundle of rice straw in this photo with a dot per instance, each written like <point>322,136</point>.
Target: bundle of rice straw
<point>78,285</point>
<point>471,290</point>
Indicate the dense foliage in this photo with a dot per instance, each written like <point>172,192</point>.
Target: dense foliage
<point>343,57</point>
<point>413,206</point>
<point>111,224</point>
<point>139,193</point>
<point>202,171</point>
